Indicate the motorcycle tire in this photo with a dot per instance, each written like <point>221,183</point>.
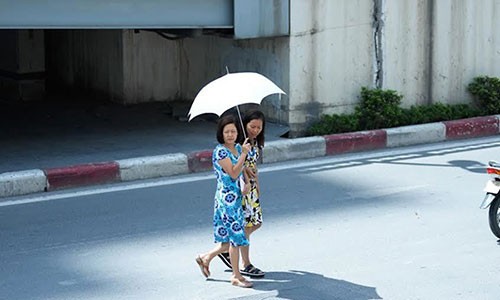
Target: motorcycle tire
<point>494,216</point>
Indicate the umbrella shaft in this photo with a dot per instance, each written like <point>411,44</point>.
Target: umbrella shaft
<point>241,122</point>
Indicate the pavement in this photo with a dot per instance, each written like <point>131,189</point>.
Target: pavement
<point>55,145</point>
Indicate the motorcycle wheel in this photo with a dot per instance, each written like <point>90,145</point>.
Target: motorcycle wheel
<point>494,216</point>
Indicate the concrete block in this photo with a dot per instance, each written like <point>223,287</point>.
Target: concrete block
<point>200,161</point>
<point>22,182</point>
<point>498,119</point>
<point>355,141</point>
<point>415,134</point>
<point>472,127</point>
<point>298,148</point>
<point>13,89</point>
<point>82,175</point>
<point>153,166</point>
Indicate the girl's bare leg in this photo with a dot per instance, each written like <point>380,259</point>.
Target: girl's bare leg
<point>220,248</point>
<point>234,255</point>
<point>245,250</point>
<point>236,278</point>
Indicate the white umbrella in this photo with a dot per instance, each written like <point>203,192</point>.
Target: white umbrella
<point>232,90</point>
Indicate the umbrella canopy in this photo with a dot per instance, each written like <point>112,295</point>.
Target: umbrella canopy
<point>232,90</point>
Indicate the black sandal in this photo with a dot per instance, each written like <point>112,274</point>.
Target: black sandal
<point>225,259</point>
<point>252,271</point>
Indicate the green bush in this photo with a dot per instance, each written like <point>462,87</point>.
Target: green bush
<point>378,109</point>
<point>381,109</point>
<point>436,112</point>
<point>486,91</point>
<point>330,124</point>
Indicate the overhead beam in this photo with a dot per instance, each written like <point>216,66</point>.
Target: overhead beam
<point>98,14</point>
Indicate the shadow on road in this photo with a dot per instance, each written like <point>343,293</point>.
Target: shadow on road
<point>302,285</point>
<point>469,165</point>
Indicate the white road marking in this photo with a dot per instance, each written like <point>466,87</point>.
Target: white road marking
<point>470,147</point>
<point>395,157</point>
<point>107,189</point>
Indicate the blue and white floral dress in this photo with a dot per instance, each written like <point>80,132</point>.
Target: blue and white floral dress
<point>228,212</point>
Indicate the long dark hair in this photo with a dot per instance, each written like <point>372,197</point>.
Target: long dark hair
<point>254,115</point>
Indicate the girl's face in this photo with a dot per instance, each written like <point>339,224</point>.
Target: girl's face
<point>254,128</point>
<point>230,133</point>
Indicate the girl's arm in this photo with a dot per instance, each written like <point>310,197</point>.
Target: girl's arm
<point>246,182</point>
<point>257,185</point>
<point>235,170</point>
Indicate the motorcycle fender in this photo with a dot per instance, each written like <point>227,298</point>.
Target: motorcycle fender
<point>492,187</point>
<point>488,199</point>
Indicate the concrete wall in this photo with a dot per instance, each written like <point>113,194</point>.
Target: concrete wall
<point>433,49</point>
<point>205,58</point>
<point>427,50</point>
<point>331,57</point>
<point>133,67</point>
<point>89,60</point>
<point>121,65</point>
<point>466,39</point>
<point>151,66</point>
<point>406,48</point>
<point>22,51</point>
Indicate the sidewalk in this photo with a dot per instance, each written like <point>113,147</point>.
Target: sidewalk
<point>39,135</point>
<point>49,146</point>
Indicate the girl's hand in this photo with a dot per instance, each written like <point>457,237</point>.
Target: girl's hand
<point>246,146</point>
<point>251,173</point>
<point>246,189</point>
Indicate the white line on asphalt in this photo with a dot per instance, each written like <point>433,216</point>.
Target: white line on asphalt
<point>471,147</point>
<point>108,189</point>
<point>395,157</point>
<point>330,166</point>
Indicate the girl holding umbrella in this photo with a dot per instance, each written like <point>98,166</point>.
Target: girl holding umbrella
<point>228,160</point>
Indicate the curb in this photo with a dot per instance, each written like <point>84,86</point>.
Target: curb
<point>355,141</point>
<point>82,175</point>
<point>36,181</point>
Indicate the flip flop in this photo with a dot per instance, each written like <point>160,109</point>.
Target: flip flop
<point>203,268</point>
<point>241,283</point>
<point>252,271</point>
<point>225,259</point>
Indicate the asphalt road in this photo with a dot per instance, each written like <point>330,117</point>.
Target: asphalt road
<point>392,224</point>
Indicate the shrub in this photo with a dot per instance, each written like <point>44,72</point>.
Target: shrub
<point>330,124</point>
<point>379,109</point>
<point>486,91</point>
<point>436,112</point>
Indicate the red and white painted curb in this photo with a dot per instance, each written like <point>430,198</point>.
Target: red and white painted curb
<point>34,181</point>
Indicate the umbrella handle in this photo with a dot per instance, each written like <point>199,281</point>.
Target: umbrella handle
<point>241,122</point>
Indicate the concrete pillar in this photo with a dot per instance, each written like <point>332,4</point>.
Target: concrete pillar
<point>331,58</point>
<point>22,65</point>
